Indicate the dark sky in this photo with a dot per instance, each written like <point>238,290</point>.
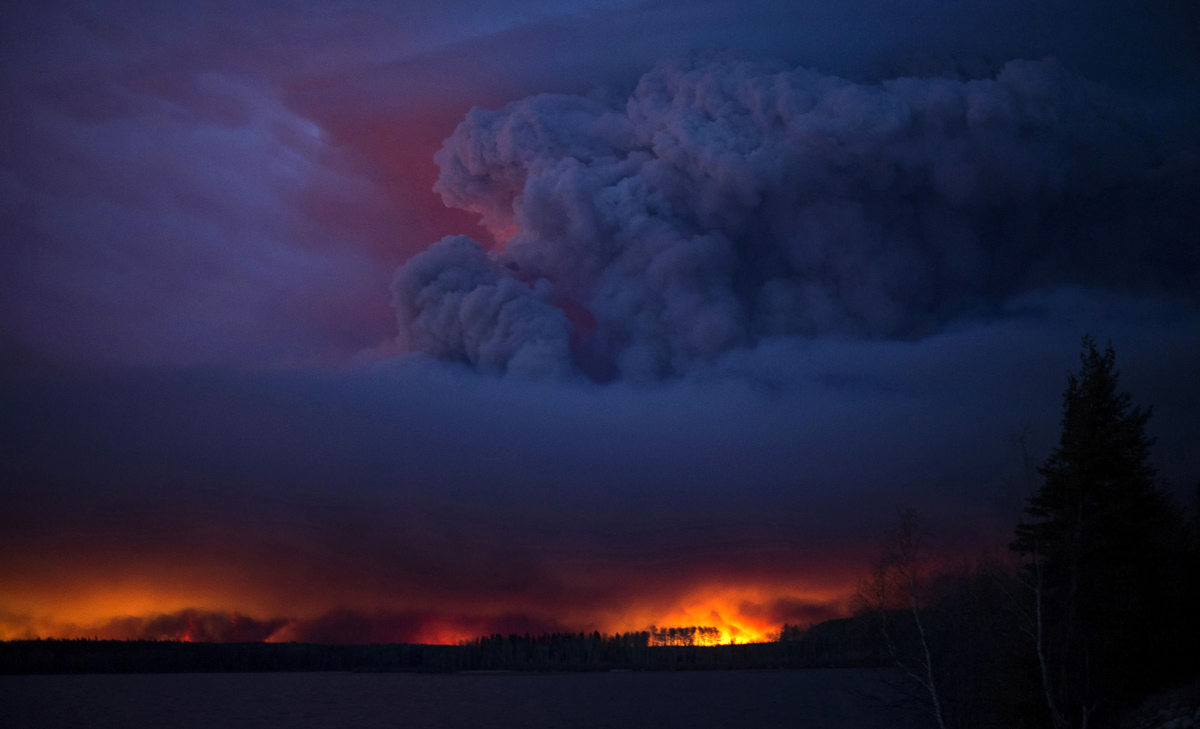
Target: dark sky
<point>373,321</point>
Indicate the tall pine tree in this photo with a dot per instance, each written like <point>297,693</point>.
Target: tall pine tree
<point>1099,536</point>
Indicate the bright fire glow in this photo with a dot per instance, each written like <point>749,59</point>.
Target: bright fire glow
<point>175,608</point>
<point>731,611</point>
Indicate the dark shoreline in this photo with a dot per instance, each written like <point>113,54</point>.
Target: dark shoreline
<point>835,645</point>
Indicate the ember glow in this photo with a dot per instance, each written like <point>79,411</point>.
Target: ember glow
<point>424,321</point>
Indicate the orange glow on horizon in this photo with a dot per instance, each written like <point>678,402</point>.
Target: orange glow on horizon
<point>730,610</point>
<point>735,611</point>
<point>168,596</point>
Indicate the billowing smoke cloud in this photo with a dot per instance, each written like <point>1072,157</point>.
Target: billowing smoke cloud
<point>461,304</point>
<point>731,202</point>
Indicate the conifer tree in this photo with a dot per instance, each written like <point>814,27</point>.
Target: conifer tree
<point>1097,543</point>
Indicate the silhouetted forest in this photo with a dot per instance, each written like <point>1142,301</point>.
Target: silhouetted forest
<point>849,642</point>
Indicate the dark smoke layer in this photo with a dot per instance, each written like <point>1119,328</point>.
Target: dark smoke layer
<point>731,202</point>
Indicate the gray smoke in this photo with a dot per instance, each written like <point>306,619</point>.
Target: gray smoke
<point>458,303</point>
<point>730,202</point>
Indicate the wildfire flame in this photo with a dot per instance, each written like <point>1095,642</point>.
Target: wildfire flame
<point>711,615</point>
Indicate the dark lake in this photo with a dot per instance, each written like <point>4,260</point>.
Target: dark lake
<point>813,699</point>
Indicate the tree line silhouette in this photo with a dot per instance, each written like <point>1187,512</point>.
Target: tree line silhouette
<point>1094,608</point>
<point>691,635</point>
<point>848,642</point>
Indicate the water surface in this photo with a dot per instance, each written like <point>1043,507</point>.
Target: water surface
<point>816,699</point>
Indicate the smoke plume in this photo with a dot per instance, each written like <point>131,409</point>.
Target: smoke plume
<point>731,202</point>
